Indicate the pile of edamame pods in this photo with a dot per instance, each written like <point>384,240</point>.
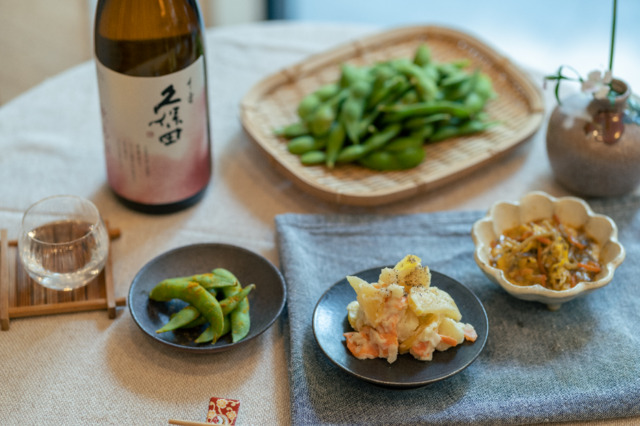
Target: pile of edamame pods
<point>380,116</point>
<point>228,314</point>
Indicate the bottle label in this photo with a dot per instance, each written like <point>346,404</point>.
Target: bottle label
<point>156,137</point>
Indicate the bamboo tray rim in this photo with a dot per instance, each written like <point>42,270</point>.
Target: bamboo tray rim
<point>410,182</point>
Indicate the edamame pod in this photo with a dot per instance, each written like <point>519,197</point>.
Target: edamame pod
<point>464,88</point>
<point>292,130</point>
<point>374,142</point>
<point>474,103</point>
<point>397,84</point>
<point>410,157</point>
<point>350,74</point>
<point>351,153</point>
<point>366,124</point>
<point>350,116</point>
<point>401,112</point>
<point>444,132</point>
<point>327,91</point>
<point>379,139</point>
<point>466,128</point>
<point>422,56</point>
<point>240,321</point>
<point>454,78</point>
<point>353,109</point>
<point>194,294</point>
<point>474,126</point>
<point>448,68</point>
<point>225,274</point>
<point>411,97</point>
<point>484,87</point>
<point>313,158</point>
<point>181,318</point>
<point>208,334</point>
<point>386,160</point>
<point>417,123</point>
<point>188,314</point>
<point>207,281</point>
<point>400,144</point>
<point>196,322</point>
<point>424,132</point>
<point>303,144</point>
<point>380,160</point>
<point>396,93</point>
<point>322,120</point>
<point>382,73</point>
<point>431,71</point>
<point>335,141</point>
<point>308,105</point>
<point>425,86</point>
<point>229,303</point>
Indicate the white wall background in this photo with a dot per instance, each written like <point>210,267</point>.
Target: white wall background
<point>40,38</point>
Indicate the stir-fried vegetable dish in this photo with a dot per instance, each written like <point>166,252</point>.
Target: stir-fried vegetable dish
<point>546,252</point>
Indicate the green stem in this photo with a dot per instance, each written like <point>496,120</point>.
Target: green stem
<point>613,34</point>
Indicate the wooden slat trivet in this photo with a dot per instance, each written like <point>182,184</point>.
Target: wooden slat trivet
<point>21,296</point>
<point>4,280</point>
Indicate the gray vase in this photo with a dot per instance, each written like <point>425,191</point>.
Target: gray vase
<point>594,144</point>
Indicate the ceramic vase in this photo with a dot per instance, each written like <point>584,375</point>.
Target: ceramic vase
<point>594,144</point>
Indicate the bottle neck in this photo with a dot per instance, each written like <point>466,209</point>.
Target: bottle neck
<point>142,20</point>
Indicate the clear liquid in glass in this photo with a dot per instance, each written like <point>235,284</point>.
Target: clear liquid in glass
<point>66,254</point>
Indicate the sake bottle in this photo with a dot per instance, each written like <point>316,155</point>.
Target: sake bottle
<point>151,68</point>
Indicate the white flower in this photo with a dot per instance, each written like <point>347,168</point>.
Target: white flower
<point>597,83</point>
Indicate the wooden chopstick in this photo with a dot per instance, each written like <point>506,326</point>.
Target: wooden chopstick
<point>66,307</point>
<point>4,280</point>
<point>108,278</point>
<point>187,423</point>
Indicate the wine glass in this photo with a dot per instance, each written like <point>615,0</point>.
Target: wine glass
<point>63,242</point>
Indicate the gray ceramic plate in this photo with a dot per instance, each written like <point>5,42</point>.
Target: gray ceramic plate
<point>330,322</point>
<point>266,301</point>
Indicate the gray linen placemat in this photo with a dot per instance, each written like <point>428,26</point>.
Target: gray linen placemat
<point>579,363</point>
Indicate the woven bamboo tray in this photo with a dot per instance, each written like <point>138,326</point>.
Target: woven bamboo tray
<point>272,103</point>
<point>21,296</point>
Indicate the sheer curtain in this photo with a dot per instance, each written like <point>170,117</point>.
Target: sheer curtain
<point>540,34</point>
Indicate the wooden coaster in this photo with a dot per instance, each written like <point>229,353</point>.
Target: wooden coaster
<point>21,296</point>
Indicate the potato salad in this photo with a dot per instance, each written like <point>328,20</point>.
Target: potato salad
<point>402,313</point>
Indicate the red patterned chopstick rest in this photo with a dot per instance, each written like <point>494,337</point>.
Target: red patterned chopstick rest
<point>223,411</point>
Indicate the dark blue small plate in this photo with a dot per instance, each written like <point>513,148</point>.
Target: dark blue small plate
<point>330,322</point>
<point>265,302</point>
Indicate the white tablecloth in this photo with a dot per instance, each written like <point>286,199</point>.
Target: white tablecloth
<point>84,368</point>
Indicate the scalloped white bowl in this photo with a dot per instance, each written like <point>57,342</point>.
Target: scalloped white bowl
<point>539,205</point>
